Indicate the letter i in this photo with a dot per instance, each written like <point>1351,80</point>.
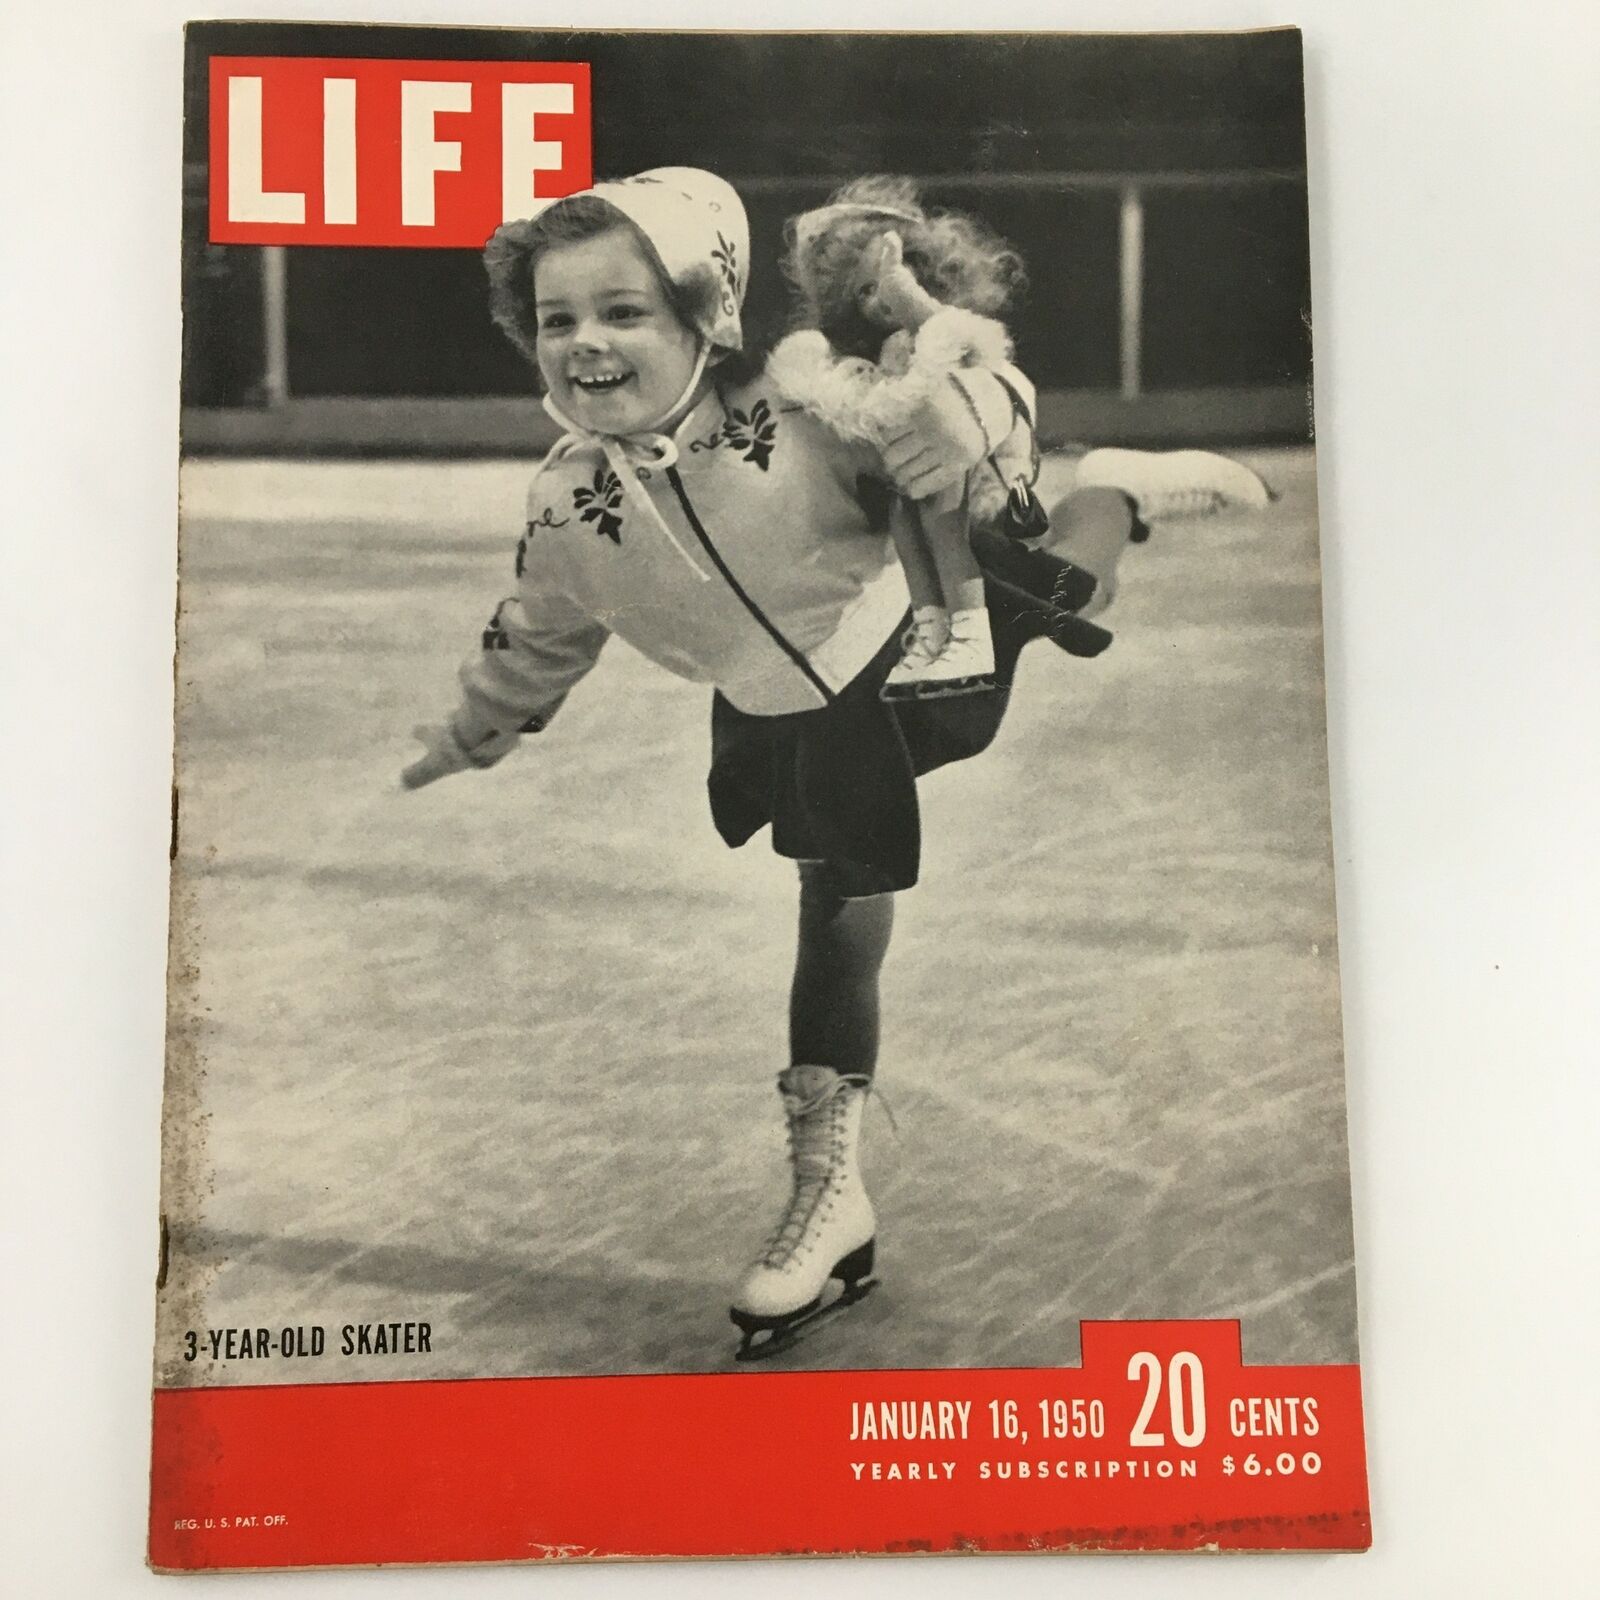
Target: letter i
<point>339,150</point>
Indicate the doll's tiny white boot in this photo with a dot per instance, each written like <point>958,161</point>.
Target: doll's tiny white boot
<point>962,664</point>
<point>924,639</point>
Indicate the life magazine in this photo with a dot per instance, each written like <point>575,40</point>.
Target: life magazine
<point>753,957</point>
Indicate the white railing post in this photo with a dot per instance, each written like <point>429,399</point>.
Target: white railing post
<point>275,324</point>
<point>1130,272</point>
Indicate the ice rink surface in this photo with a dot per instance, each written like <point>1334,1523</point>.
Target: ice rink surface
<point>499,1055</point>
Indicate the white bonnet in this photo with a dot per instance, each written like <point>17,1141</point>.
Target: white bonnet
<point>696,225</point>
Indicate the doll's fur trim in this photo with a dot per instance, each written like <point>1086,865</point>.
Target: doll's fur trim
<point>859,399</point>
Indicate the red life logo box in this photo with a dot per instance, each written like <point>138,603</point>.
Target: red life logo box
<point>314,150</point>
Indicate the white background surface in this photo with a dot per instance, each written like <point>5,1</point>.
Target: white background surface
<point>1455,251</point>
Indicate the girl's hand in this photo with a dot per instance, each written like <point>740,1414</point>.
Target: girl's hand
<point>890,295</point>
<point>444,754</point>
<point>959,423</point>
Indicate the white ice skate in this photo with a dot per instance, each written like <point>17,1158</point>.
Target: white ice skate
<point>1174,483</point>
<point>964,664</point>
<point>828,1229</point>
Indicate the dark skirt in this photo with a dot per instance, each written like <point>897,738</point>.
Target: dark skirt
<point>839,784</point>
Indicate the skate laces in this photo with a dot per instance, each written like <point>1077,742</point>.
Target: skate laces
<point>816,1142</point>
<point>888,1111</point>
<point>921,639</point>
<point>1194,502</point>
<point>784,1242</point>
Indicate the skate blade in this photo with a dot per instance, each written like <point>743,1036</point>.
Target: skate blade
<point>785,1335</point>
<point>947,690</point>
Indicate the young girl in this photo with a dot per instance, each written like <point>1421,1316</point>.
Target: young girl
<point>893,300</point>
<point>734,540</point>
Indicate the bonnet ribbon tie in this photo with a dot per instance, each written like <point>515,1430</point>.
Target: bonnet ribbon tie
<point>627,453</point>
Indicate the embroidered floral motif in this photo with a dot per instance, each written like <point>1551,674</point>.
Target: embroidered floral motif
<point>546,519</point>
<point>599,503</point>
<point>753,434</point>
<point>495,636</point>
<point>726,256</point>
<point>711,440</point>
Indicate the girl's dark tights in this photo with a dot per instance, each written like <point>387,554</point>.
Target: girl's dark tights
<point>833,1006</point>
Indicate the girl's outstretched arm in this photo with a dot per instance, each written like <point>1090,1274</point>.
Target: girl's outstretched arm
<point>536,646</point>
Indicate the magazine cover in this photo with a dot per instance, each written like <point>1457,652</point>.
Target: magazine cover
<point>753,957</point>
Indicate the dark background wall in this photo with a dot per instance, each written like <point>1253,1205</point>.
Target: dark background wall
<point>1034,132</point>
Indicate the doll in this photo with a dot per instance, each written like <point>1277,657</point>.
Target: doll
<point>893,301</point>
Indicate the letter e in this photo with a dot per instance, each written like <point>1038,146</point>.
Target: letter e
<point>521,154</point>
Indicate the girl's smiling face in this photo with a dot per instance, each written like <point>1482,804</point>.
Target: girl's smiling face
<point>612,352</point>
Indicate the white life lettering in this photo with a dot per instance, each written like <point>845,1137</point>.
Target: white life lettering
<point>249,200</point>
<point>339,150</point>
<point>522,153</point>
<point>422,155</point>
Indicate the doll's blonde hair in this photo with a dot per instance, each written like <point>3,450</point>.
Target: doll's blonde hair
<point>956,258</point>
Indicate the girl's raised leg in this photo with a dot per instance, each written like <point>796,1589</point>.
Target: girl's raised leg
<point>1093,528</point>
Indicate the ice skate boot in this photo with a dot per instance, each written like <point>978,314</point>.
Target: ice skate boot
<point>924,639</point>
<point>1174,483</point>
<point>828,1230</point>
<point>965,664</point>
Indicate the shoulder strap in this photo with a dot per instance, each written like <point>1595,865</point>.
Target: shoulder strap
<point>1025,509</point>
<point>1019,406</point>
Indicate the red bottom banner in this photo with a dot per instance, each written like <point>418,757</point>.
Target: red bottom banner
<point>1161,1440</point>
